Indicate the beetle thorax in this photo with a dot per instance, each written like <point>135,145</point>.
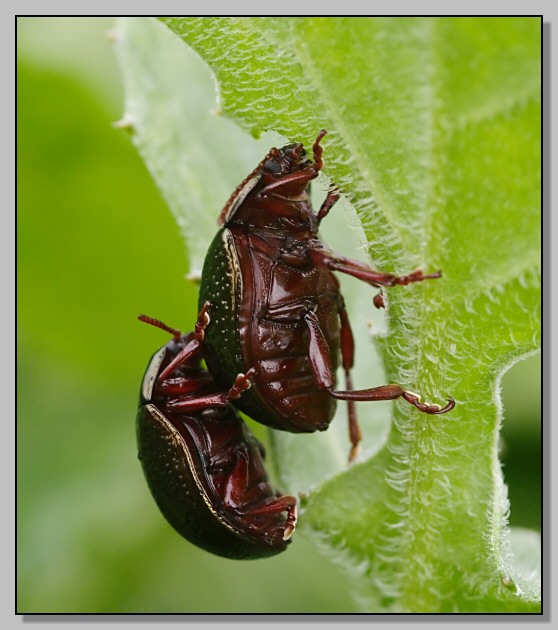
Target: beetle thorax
<point>291,213</point>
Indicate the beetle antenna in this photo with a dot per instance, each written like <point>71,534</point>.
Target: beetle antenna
<point>159,324</point>
<point>272,153</point>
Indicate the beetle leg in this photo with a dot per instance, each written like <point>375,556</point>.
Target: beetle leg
<point>192,348</point>
<point>327,205</point>
<point>378,300</point>
<point>203,321</point>
<point>286,181</point>
<point>279,504</point>
<point>318,151</point>
<point>362,271</point>
<point>184,385</point>
<point>186,354</point>
<point>414,399</point>
<point>391,392</point>
<point>320,363</point>
<point>318,352</point>
<point>240,385</point>
<point>220,399</point>
<point>347,358</point>
<point>235,490</point>
<point>237,483</point>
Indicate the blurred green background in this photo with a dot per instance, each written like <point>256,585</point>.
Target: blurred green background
<point>96,246</point>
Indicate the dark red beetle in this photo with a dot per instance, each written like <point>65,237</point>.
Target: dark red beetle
<point>276,304</point>
<point>204,467</point>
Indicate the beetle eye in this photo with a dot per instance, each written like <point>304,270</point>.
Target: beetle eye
<point>272,166</point>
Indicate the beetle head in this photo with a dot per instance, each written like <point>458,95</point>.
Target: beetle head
<point>288,159</point>
<point>284,173</point>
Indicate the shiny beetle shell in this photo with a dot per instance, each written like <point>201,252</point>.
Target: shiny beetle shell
<point>276,303</point>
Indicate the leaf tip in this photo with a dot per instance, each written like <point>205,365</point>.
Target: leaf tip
<point>124,123</point>
<point>256,132</point>
<point>112,36</point>
<point>194,276</point>
<point>508,583</point>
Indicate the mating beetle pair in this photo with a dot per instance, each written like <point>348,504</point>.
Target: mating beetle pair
<point>276,315</point>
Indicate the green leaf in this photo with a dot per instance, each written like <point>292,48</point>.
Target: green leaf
<point>434,141</point>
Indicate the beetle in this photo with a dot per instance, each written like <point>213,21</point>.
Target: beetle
<point>277,306</point>
<point>204,467</point>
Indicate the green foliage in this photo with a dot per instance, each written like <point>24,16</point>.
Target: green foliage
<point>435,143</point>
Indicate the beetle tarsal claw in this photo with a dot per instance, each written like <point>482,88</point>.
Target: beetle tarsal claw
<point>243,381</point>
<point>290,524</point>
<point>411,397</point>
<point>355,450</point>
<point>431,408</point>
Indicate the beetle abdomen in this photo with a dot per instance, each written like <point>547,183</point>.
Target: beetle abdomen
<point>170,474</point>
<point>184,485</point>
<point>302,406</point>
<point>284,375</point>
<point>287,382</point>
